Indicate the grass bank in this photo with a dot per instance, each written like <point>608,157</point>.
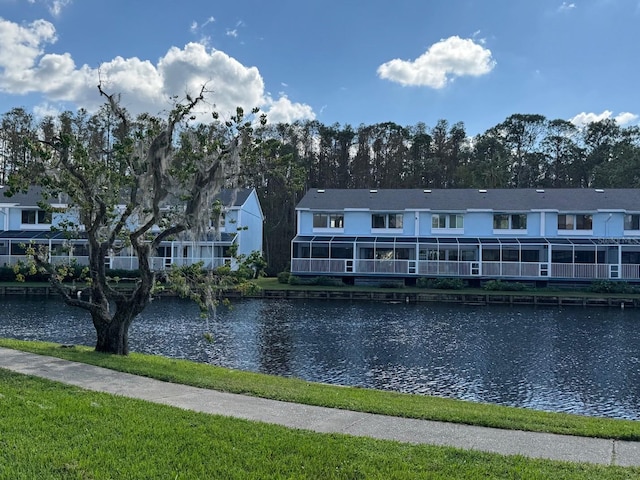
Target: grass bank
<point>53,431</point>
<point>271,283</point>
<point>348,398</point>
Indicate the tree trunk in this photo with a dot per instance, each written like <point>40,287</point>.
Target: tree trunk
<point>113,333</point>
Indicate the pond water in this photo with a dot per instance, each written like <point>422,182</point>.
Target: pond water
<point>584,361</point>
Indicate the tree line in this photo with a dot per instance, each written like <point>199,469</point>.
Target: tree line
<point>523,151</point>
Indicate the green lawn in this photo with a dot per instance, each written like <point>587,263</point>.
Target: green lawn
<point>53,431</point>
<point>357,399</point>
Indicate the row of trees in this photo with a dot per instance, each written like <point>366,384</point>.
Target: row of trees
<point>524,151</point>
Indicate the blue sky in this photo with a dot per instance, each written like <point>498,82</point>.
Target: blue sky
<point>404,61</point>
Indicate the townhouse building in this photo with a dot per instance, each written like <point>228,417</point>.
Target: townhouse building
<point>22,221</point>
<point>516,234</point>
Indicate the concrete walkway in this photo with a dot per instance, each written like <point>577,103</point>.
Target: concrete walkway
<point>325,420</point>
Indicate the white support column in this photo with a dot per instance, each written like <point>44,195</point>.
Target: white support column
<point>619,260</point>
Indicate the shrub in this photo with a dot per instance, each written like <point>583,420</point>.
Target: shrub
<point>283,277</point>
<point>323,281</point>
<point>500,286</point>
<point>329,282</point>
<point>123,274</point>
<point>608,286</point>
<point>28,273</point>
<point>293,280</point>
<point>441,283</point>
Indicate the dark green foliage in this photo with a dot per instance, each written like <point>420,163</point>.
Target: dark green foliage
<point>8,274</point>
<point>283,277</point>
<point>73,272</point>
<point>441,283</point>
<point>252,266</point>
<point>26,273</point>
<point>500,286</point>
<point>122,275</point>
<point>320,281</point>
<point>608,286</point>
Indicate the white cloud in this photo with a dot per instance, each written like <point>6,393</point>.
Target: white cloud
<point>143,85</point>
<point>20,46</point>
<point>283,110</point>
<point>56,6</point>
<point>195,26</point>
<point>46,110</point>
<point>440,64</point>
<point>623,118</point>
<point>566,7</point>
<point>232,33</point>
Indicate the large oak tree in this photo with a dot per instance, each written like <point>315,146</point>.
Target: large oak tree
<point>132,183</point>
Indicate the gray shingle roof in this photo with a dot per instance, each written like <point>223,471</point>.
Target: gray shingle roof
<point>29,199</point>
<point>507,200</point>
<point>228,197</point>
<point>234,198</point>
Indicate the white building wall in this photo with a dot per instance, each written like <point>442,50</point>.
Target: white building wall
<point>250,222</point>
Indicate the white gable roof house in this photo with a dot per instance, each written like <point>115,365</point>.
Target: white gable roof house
<point>22,221</point>
<point>516,234</point>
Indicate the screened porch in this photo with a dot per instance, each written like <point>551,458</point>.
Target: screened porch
<point>525,258</point>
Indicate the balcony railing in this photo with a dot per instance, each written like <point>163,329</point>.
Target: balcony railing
<point>579,270</point>
<point>541,270</point>
<point>630,272</point>
<point>126,262</point>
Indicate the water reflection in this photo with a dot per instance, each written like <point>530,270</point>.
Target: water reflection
<point>573,360</point>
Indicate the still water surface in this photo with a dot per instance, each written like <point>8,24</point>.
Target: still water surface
<point>566,360</point>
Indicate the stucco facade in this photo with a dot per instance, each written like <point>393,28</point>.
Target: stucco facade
<point>533,234</point>
<point>23,221</point>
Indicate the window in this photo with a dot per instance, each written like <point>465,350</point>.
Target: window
<point>163,251</point>
<point>378,221</point>
<point>328,220</point>
<point>36,217</point>
<point>575,222</point>
<point>387,220</point>
<point>444,220</point>
<point>584,222</point>
<point>632,222</point>
<point>509,222</point>
<point>336,221</point>
<point>320,220</point>
<point>395,220</point>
